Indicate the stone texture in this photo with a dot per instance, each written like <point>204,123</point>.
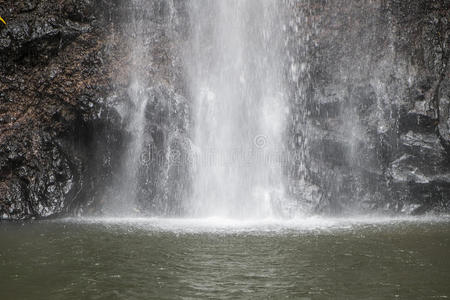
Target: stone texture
<point>65,70</point>
<point>373,100</point>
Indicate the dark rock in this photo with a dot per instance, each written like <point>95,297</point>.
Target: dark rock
<point>46,134</point>
<point>373,104</point>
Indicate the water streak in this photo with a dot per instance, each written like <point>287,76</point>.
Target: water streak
<point>123,202</point>
<point>235,70</point>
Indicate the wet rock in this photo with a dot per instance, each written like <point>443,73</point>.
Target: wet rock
<point>47,136</point>
<point>373,104</point>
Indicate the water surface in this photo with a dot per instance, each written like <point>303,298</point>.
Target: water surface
<point>311,258</point>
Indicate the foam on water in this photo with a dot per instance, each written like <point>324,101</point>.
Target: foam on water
<point>268,225</point>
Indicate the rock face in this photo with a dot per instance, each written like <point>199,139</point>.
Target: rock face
<point>370,105</point>
<point>63,82</point>
<point>371,91</point>
<point>55,73</point>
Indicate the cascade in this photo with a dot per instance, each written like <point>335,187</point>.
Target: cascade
<point>124,201</point>
<point>235,69</point>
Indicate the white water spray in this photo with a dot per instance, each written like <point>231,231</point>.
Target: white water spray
<point>123,202</point>
<point>235,70</point>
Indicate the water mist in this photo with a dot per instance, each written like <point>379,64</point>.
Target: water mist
<point>235,72</point>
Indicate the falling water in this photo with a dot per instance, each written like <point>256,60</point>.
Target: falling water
<point>123,201</point>
<point>126,199</point>
<point>237,86</point>
<point>235,69</point>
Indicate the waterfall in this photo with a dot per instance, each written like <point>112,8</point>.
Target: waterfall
<point>235,69</point>
<point>229,95</point>
<point>124,198</point>
<point>232,108</point>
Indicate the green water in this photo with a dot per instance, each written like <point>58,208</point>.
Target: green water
<point>146,259</point>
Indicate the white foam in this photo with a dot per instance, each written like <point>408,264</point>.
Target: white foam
<point>269,225</point>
